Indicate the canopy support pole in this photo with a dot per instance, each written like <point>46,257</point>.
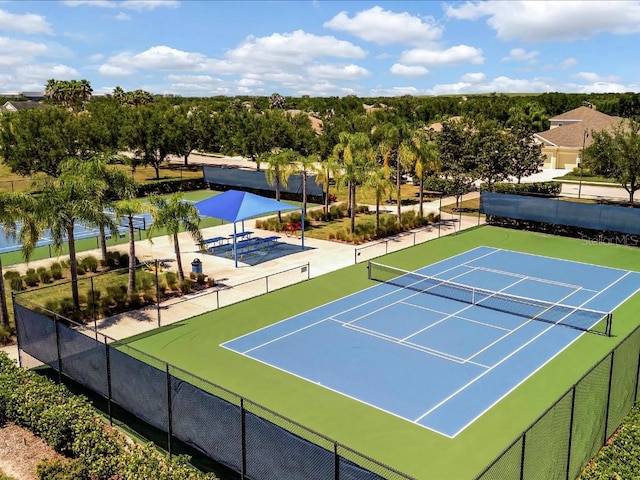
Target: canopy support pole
<point>235,248</point>
<point>302,227</point>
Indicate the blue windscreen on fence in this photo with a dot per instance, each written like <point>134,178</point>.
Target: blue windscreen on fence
<point>593,216</point>
<point>234,177</point>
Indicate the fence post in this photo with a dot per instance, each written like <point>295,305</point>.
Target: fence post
<point>243,436</point>
<point>573,404</point>
<point>266,282</point>
<point>169,419</point>
<point>217,299</point>
<point>55,322</point>
<point>15,321</point>
<point>635,393</point>
<point>386,246</point>
<point>157,293</point>
<point>336,461</point>
<point>606,413</point>
<point>95,313</point>
<point>522,455</point>
<point>108,358</point>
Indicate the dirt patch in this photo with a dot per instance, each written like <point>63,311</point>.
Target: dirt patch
<point>20,452</point>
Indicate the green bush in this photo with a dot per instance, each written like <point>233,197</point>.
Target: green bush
<point>31,278</point>
<point>16,283</point>
<point>186,286</point>
<point>200,278</point>
<point>44,275</point>
<point>56,270</point>
<point>90,264</point>
<point>10,274</point>
<point>172,280</point>
<point>537,188</point>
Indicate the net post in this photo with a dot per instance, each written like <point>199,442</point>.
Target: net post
<point>609,324</point>
<point>369,269</point>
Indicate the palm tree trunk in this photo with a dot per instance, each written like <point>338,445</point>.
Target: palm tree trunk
<point>73,267</point>
<point>398,199</point>
<point>304,193</point>
<point>4,311</point>
<point>353,206</point>
<point>131,288</point>
<point>378,198</point>
<point>103,243</point>
<point>421,195</point>
<point>277,185</point>
<point>326,198</point>
<point>176,249</point>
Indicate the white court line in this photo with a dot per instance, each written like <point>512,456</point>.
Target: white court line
<point>467,385</point>
<point>535,279</point>
<point>471,320</point>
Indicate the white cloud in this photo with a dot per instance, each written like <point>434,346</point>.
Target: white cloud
<point>568,63</point>
<point>157,58</point>
<point>123,17</point>
<point>37,72</point>
<point>28,23</point>
<point>457,55</point>
<point>385,27</point>
<point>338,72</point>
<point>147,5</point>
<point>22,48</point>
<point>296,48</point>
<point>595,78</point>
<point>476,77</point>
<point>409,70</point>
<point>394,91</point>
<point>540,21</point>
<point>110,70</point>
<point>521,55</point>
<point>96,57</point>
<point>91,3</point>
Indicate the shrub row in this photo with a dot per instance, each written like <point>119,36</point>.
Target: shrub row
<point>549,189</point>
<point>69,424</point>
<point>171,186</point>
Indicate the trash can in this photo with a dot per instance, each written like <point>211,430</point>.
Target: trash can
<point>196,266</point>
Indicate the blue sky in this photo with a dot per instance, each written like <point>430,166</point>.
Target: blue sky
<point>322,48</point>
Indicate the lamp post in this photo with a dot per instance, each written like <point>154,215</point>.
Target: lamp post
<point>584,139</point>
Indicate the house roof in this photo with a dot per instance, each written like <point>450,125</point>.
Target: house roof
<point>316,123</point>
<point>13,106</point>
<point>437,126</point>
<point>574,124</point>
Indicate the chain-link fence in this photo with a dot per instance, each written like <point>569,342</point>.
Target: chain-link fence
<point>254,441</point>
<point>562,440</point>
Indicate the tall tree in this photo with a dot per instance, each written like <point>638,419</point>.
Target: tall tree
<point>74,197</point>
<point>526,156</point>
<point>357,161</point>
<point>280,167</point>
<point>421,152</point>
<point>622,156</point>
<point>175,215</point>
<point>127,209</point>
<point>455,146</point>
<point>380,181</point>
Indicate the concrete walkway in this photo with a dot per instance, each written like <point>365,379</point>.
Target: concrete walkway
<point>248,280</point>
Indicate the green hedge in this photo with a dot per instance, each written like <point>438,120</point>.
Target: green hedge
<point>171,186</point>
<point>69,424</point>
<point>536,188</point>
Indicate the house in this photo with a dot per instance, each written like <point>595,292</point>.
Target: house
<point>570,132</point>
<point>14,106</point>
<point>316,123</point>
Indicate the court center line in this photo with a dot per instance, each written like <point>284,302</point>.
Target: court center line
<point>461,310</point>
<point>414,346</point>
<point>468,384</point>
<point>422,307</point>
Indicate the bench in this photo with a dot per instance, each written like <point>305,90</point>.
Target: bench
<point>214,242</point>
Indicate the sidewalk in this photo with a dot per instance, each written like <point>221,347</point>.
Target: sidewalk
<point>319,257</point>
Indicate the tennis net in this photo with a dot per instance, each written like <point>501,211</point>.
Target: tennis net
<point>555,313</point>
<point>140,222</point>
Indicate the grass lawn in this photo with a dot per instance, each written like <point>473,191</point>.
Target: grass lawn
<point>193,345</point>
<point>586,178</point>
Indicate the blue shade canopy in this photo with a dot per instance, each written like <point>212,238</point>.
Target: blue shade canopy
<point>234,206</point>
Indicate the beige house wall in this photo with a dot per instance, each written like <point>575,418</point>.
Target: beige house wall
<point>561,157</point>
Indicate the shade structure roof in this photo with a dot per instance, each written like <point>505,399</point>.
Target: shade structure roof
<point>235,205</point>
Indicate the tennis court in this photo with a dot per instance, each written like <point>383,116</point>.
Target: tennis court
<point>10,242</point>
<point>440,346</point>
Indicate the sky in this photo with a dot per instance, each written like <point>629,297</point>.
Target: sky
<point>322,48</point>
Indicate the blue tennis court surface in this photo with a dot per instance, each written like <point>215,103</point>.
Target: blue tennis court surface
<point>435,361</point>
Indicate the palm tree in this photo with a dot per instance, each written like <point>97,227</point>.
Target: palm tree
<point>75,197</point>
<point>12,206</point>
<point>380,181</point>
<point>357,161</point>
<point>128,209</point>
<point>279,169</point>
<point>421,153</point>
<point>325,171</point>
<point>306,165</point>
<point>175,215</point>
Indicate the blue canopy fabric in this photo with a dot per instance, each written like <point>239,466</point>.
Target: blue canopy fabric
<point>235,205</point>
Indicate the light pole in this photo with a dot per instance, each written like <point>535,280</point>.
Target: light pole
<point>584,139</point>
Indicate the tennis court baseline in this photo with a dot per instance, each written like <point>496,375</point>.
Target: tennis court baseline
<point>441,346</point>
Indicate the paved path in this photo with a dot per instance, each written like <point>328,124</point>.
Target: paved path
<point>319,257</point>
